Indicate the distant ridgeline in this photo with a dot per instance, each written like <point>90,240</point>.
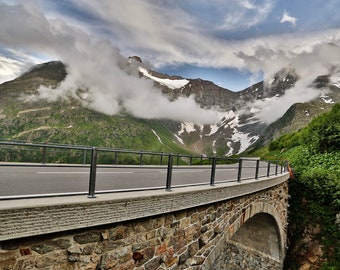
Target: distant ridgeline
<point>26,116</point>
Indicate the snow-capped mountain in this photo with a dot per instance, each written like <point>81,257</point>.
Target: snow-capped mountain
<point>241,124</point>
<point>242,116</point>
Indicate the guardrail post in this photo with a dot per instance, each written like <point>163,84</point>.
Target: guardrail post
<point>239,175</point>
<point>201,160</point>
<point>161,162</point>
<point>116,157</point>
<point>213,170</point>
<point>276,167</point>
<point>43,155</point>
<point>84,157</point>
<point>177,159</point>
<point>268,169</point>
<point>169,173</point>
<point>257,169</point>
<point>141,158</point>
<point>190,160</point>
<point>93,172</point>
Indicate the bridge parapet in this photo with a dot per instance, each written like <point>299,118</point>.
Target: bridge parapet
<point>147,229</point>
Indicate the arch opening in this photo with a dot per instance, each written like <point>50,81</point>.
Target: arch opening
<point>260,233</point>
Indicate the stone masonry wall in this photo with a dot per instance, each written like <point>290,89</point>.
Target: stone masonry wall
<point>185,239</point>
<point>237,256</point>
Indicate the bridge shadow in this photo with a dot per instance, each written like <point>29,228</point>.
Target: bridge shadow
<point>260,233</point>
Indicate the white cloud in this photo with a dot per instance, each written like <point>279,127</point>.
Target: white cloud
<point>161,33</point>
<point>95,66</point>
<point>287,18</point>
<point>241,15</point>
<point>165,34</point>
<point>9,67</point>
<point>272,109</point>
<point>308,64</point>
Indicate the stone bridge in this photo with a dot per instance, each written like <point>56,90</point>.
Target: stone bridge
<point>226,226</point>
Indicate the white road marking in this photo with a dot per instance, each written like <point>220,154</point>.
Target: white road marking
<point>185,171</point>
<point>82,172</point>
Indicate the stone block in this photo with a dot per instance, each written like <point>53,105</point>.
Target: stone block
<point>190,231</point>
<point>193,248</point>
<point>89,237</point>
<point>118,233</point>
<point>183,258</point>
<point>194,218</point>
<point>184,223</point>
<point>158,223</point>
<point>153,264</point>
<point>48,246</point>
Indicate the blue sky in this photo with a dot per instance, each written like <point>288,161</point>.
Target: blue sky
<point>233,43</point>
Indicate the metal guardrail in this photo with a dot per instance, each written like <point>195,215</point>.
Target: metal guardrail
<point>44,151</point>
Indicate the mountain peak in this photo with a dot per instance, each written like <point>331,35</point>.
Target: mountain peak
<point>135,58</point>
<point>54,70</point>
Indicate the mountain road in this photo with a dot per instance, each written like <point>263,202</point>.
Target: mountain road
<point>53,179</point>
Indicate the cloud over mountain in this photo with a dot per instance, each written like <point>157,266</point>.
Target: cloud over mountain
<point>93,65</point>
<point>94,38</point>
<point>308,62</point>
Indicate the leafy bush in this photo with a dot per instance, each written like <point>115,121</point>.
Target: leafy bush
<point>315,198</point>
<point>286,141</point>
<point>314,155</point>
<point>323,133</point>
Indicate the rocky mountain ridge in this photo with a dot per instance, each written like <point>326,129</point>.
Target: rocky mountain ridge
<point>237,130</point>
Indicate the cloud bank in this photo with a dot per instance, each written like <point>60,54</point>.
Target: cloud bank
<point>96,66</point>
<point>87,39</point>
<point>308,62</point>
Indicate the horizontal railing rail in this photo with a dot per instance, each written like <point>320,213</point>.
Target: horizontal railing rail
<point>20,154</point>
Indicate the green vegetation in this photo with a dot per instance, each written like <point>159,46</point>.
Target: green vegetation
<point>67,122</point>
<point>314,155</point>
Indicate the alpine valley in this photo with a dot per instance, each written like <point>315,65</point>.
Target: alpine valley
<point>71,120</point>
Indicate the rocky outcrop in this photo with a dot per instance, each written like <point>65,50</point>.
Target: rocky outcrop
<point>307,252</point>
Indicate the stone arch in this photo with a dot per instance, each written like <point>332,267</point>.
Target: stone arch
<point>260,233</point>
<point>264,219</point>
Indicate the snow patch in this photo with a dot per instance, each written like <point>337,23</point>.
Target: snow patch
<point>244,139</point>
<point>187,127</point>
<point>227,120</point>
<point>179,139</point>
<point>335,78</point>
<point>327,99</point>
<point>231,150</point>
<point>213,130</point>
<point>173,84</point>
<point>159,138</point>
<point>213,145</point>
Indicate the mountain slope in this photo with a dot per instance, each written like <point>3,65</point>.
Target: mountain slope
<point>300,115</point>
<point>69,120</point>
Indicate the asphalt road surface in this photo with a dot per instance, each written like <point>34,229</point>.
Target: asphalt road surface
<point>29,180</point>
